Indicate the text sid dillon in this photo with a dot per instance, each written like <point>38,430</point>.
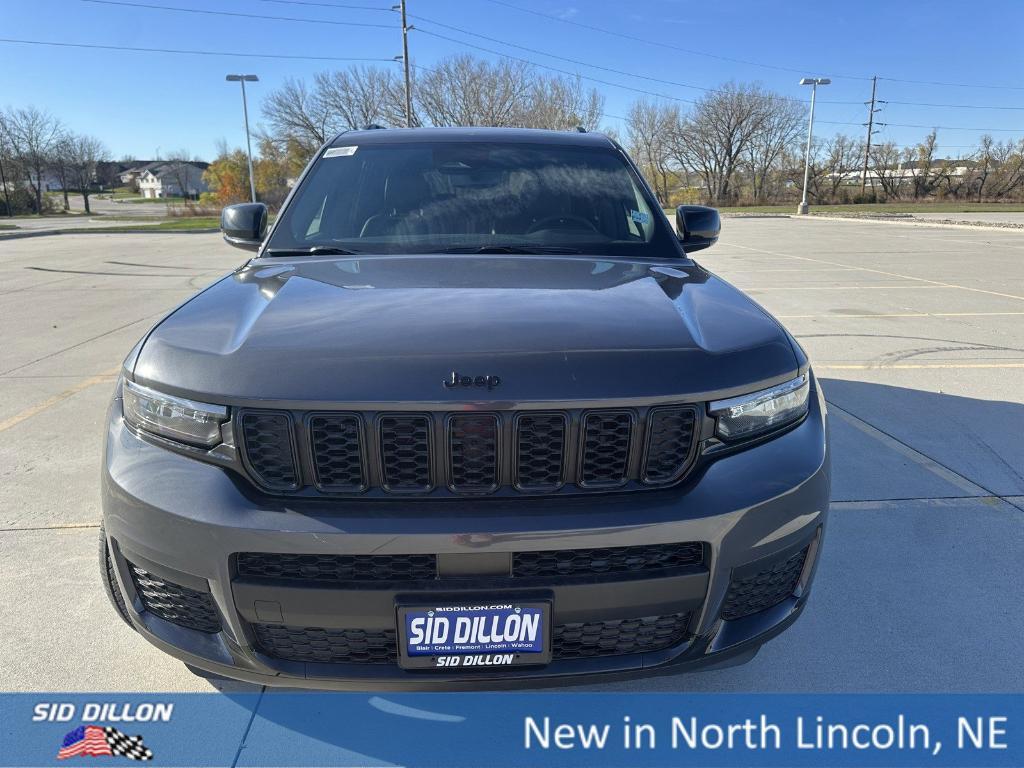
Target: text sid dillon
<point>103,711</point>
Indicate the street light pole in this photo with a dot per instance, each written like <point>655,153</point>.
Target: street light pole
<point>814,82</point>
<point>245,112</point>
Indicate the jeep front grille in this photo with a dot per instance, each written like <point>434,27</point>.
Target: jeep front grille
<point>469,452</point>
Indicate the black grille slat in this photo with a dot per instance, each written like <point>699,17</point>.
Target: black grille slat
<point>670,441</point>
<point>175,603</point>
<point>540,451</point>
<point>643,559</point>
<point>267,437</point>
<point>337,443</point>
<point>613,637</point>
<point>337,568</point>
<point>618,637</point>
<point>607,436</point>
<point>327,646</point>
<point>765,589</point>
<point>405,453</point>
<point>473,452</point>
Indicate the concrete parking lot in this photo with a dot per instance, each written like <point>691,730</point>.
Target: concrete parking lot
<point>917,334</point>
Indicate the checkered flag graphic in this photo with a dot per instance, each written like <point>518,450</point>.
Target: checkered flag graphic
<point>127,746</point>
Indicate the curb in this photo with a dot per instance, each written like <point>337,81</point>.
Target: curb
<point>144,231</point>
<point>914,222</point>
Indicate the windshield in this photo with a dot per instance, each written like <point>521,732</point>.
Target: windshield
<point>468,197</point>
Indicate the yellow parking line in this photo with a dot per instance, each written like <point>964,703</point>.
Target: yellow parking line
<point>907,366</point>
<point>28,413</point>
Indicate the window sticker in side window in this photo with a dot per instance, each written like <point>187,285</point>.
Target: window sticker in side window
<point>640,217</point>
<point>340,152</point>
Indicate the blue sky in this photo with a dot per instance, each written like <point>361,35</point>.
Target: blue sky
<point>142,104</point>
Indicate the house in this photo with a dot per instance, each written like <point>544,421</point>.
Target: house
<point>131,172</point>
<point>173,178</point>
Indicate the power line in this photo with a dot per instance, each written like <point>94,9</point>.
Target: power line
<point>935,127</point>
<point>949,106</point>
<point>647,41</point>
<point>189,52</point>
<point>954,85</point>
<point>554,69</point>
<point>557,56</point>
<point>499,41</point>
<point>207,12</point>
<point>662,81</point>
<point>330,5</point>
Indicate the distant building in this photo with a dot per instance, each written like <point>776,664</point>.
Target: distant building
<point>171,178</point>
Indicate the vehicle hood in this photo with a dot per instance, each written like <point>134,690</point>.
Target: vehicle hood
<point>393,328</point>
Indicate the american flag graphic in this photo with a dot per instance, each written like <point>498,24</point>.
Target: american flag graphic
<point>99,741</point>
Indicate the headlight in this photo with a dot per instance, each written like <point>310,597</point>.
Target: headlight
<point>759,412</point>
<point>184,421</point>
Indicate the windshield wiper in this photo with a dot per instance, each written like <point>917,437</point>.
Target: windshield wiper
<point>316,250</point>
<point>508,249</point>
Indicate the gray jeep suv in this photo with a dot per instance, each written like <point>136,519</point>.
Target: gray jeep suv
<point>470,416</point>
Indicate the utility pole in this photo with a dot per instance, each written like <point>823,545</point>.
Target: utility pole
<point>405,63</point>
<point>871,125</point>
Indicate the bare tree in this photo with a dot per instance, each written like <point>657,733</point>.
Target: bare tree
<point>294,113</point>
<point>32,135</point>
<point>717,133</point>
<point>463,90</point>
<point>842,157</point>
<point>1007,158</point>
<point>649,127</point>
<point>562,103</point>
<point>360,96</point>
<point>885,162</point>
<point>780,126</point>
<point>60,163</point>
<point>924,179</point>
<point>84,154</point>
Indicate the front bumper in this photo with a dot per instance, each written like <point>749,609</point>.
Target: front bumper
<point>184,522</point>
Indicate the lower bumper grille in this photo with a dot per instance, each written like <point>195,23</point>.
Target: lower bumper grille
<point>619,637</point>
<point>337,568</point>
<point>327,646</point>
<point>616,637</point>
<point>646,560</point>
<point>175,603</point>
<point>764,589</point>
<point>643,560</point>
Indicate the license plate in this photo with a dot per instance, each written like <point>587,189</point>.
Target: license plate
<point>485,635</point>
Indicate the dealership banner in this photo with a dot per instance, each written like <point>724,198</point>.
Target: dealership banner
<point>511,729</point>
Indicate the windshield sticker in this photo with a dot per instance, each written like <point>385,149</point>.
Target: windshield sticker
<point>640,217</point>
<point>340,151</point>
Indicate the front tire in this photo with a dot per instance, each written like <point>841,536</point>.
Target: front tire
<point>109,579</point>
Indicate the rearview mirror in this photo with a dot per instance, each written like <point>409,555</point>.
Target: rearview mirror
<point>697,226</point>
<point>244,225</point>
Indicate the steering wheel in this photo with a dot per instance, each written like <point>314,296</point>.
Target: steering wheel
<point>561,222</point>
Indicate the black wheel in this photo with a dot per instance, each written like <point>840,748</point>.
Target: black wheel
<point>109,580</point>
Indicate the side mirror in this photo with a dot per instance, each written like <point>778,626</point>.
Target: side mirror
<point>244,225</point>
<point>697,226</point>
